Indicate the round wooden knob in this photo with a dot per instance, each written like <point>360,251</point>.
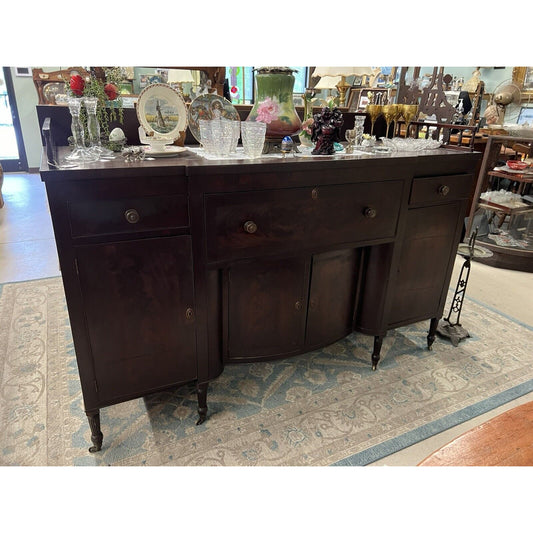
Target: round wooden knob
<point>444,190</point>
<point>132,216</point>
<point>250,226</point>
<point>370,212</point>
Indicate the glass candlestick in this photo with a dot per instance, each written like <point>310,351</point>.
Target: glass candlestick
<point>79,152</point>
<point>93,127</point>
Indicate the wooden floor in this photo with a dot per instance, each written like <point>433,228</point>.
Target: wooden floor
<point>505,440</point>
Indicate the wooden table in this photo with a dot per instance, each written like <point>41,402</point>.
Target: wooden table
<point>505,440</point>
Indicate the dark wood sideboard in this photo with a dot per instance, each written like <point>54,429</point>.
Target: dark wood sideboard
<point>175,267</point>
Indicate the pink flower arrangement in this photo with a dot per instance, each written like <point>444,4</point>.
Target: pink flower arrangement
<point>267,111</point>
<point>306,125</point>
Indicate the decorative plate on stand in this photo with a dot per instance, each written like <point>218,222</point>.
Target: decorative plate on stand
<point>162,112</point>
<point>209,106</point>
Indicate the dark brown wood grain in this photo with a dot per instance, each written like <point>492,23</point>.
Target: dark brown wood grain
<point>136,296</point>
<point>236,261</point>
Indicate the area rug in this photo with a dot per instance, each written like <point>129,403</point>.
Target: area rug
<point>326,407</point>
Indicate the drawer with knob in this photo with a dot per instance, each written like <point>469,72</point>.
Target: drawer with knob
<point>129,215</point>
<point>254,223</point>
<point>440,189</point>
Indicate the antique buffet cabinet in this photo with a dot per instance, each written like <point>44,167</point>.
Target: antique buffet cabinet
<point>175,267</point>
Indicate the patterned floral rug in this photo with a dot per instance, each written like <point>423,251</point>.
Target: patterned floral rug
<point>326,407</point>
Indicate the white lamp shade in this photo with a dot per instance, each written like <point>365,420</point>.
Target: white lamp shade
<point>327,82</point>
<point>180,76</point>
<point>345,71</point>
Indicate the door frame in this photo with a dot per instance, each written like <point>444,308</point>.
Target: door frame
<point>20,164</point>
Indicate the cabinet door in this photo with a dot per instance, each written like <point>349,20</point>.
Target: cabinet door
<point>266,308</point>
<point>332,296</point>
<point>138,299</point>
<point>423,270</point>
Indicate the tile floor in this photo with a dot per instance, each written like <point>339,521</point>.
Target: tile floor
<point>27,251</point>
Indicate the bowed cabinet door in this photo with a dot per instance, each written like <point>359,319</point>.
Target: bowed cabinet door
<point>266,302</point>
<point>332,296</point>
<point>139,305</point>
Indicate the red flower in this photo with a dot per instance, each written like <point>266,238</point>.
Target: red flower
<point>77,84</point>
<point>111,90</point>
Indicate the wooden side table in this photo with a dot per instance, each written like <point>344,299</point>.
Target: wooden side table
<point>505,440</point>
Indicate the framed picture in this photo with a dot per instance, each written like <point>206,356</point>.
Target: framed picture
<point>525,116</point>
<point>126,87</point>
<point>352,98</point>
<point>523,77</point>
<point>23,71</point>
<point>298,100</point>
<point>360,98</point>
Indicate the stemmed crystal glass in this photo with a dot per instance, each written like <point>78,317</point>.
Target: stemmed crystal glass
<point>409,113</point>
<point>374,110</point>
<point>350,137</point>
<point>397,116</point>
<point>390,112</point>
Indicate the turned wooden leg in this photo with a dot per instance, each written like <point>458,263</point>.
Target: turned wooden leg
<point>201,391</point>
<point>96,434</point>
<point>378,341</point>
<point>432,331</point>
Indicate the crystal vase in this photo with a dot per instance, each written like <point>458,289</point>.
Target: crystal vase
<point>274,103</point>
<point>359,125</point>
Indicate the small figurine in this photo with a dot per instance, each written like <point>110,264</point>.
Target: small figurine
<point>326,130</point>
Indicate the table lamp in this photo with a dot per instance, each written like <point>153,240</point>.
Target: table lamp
<point>180,76</point>
<point>343,72</point>
<point>327,82</point>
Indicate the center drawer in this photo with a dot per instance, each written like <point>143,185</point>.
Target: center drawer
<point>128,215</point>
<point>247,224</point>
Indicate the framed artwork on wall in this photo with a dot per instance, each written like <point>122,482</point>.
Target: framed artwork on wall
<point>359,98</point>
<point>523,77</point>
<point>23,71</point>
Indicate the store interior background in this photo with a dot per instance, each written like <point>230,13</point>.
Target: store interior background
<point>27,99</point>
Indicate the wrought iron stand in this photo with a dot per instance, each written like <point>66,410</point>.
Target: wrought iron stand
<point>454,331</point>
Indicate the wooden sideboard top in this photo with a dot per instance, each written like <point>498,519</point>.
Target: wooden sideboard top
<point>191,164</point>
